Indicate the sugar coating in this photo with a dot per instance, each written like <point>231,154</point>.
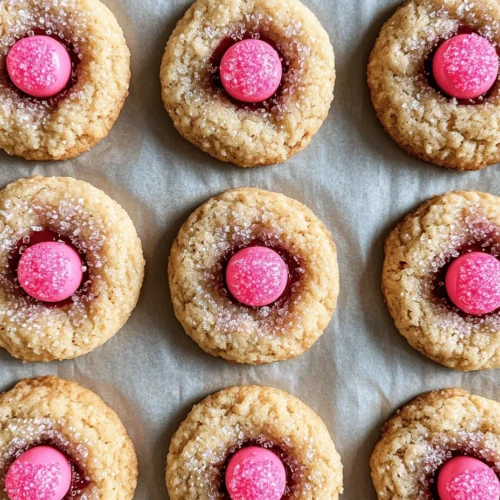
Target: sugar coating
<point>50,272</point>
<point>466,478</point>
<point>416,252</point>
<point>223,422</point>
<point>466,66</point>
<point>477,485</point>
<point>19,434</point>
<point>78,423</point>
<point>255,473</point>
<point>256,276</point>
<point>39,130</point>
<point>236,332</point>
<point>473,283</point>
<point>33,482</point>
<point>420,119</point>
<point>98,228</point>
<point>425,434</point>
<point>41,473</point>
<point>207,118</point>
<point>251,71</point>
<point>39,66</point>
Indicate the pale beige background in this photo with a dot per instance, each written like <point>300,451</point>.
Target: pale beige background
<point>352,176</point>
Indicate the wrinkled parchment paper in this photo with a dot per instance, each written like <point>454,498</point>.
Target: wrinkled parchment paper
<point>352,176</point>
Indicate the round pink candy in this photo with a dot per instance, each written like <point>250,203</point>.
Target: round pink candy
<point>473,283</point>
<point>39,66</point>
<point>42,473</point>
<point>465,478</point>
<point>255,474</point>
<point>251,71</point>
<point>466,66</point>
<point>50,271</point>
<point>256,276</point>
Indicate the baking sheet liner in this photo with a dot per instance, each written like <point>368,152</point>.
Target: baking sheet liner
<point>352,176</point>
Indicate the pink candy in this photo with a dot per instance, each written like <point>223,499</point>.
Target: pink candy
<point>466,66</point>
<point>473,283</point>
<point>465,478</point>
<point>251,71</point>
<point>255,474</point>
<point>50,271</point>
<point>256,276</point>
<point>39,66</point>
<point>42,473</point>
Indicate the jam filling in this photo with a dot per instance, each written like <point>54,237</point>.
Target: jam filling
<point>40,237</point>
<point>429,74</point>
<point>75,61</point>
<point>286,459</point>
<point>79,481</point>
<point>432,477</point>
<point>293,263</point>
<point>215,80</point>
<point>439,287</point>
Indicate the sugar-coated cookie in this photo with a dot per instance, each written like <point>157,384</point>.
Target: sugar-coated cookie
<point>433,76</point>
<point>444,444</point>
<point>249,82</point>
<point>46,424</point>
<point>441,279</point>
<point>254,276</point>
<point>240,440</point>
<point>64,76</point>
<point>71,268</point>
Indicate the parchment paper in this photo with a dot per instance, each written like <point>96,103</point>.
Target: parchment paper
<point>352,176</point>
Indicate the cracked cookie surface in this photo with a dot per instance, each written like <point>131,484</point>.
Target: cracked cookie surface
<point>418,117</point>
<point>105,237</point>
<point>75,121</point>
<point>237,219</point>
<point>49,410</point>
<point>416,252</point>
<point>243,135</point>
<point>426,433</point>
<point>225,421</point>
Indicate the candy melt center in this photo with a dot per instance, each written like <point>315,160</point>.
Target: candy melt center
<point>473,283</point>
<point>466,66</point>
<point>50,271</point>
<point>251,71</point>
<point>42,473</point>
<point>256,276</point>
<point>40,66</point>
<point>466,478</point>
<point>255,474</point>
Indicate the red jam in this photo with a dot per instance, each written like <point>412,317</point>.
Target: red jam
<point>40,237</point>
<point>430,481</point>
<point>216,82</point>
<point>79,481</point>
<point>440,278</point>
<point>428,71</point>
<point>75,61</point>
<point>293,263</point>
<point>290,467</point>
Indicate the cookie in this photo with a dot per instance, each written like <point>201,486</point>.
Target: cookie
<point>214,285</point>
<point>454,323</point>
<point>216,81</point>
<point>420,448</point>
<point>75,422</point>
<point>230,422</point>
<point>78,79</point>
<point>35,324</point>
<point>433,77</point>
